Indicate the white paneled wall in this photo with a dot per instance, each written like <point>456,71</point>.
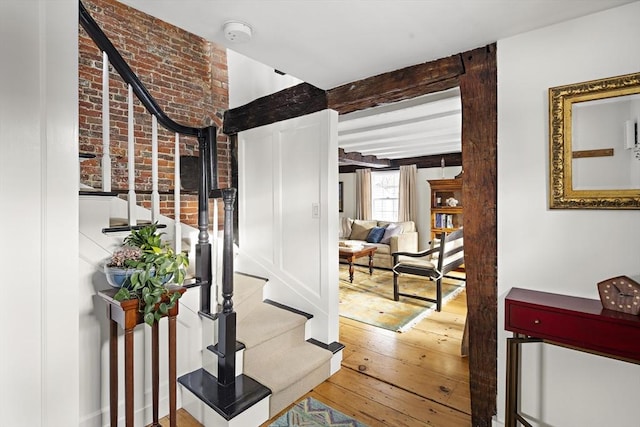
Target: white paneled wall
<point>288,199</point>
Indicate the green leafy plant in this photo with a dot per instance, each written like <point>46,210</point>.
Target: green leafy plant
<point>154,263</point>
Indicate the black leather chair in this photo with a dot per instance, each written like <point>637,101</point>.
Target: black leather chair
<point>450,256</point>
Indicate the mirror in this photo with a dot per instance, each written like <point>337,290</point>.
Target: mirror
<point>594,147</point>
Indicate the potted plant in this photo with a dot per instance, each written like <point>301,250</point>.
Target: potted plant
<point>142,268</point>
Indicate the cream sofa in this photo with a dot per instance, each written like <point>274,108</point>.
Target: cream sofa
<point>401,237</point>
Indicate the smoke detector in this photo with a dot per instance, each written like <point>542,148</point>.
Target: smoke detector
<point>237,32</point>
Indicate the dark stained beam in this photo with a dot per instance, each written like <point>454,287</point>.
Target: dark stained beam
<point>292,102</point>
<point>398,85</point>
<point>435,161</point>
<point>450,159</point>
<point>358,159</point>
<point>478,89</point>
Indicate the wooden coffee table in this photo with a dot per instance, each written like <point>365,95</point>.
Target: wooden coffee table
<point>351,255</point>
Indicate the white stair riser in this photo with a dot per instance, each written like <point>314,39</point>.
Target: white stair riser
<point>276,344</point>
<point>284,398</point>
<point>252,417</point>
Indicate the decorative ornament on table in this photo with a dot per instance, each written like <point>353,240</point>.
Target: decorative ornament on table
<point>620,294</point>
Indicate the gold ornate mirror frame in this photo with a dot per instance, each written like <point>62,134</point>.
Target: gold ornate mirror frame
<point>561,102</point>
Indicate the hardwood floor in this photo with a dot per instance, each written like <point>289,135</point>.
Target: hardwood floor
<point>416,378</point>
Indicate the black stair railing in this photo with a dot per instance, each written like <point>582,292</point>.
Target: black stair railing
<point>207,188</point>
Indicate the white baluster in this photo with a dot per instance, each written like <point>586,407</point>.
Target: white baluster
<point>106,157</point>
<point>131,165</point>
<point>155,196</point>
<point>176,194</point>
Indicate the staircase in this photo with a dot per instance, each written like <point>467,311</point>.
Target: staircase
<point>273,352</point>
<point>254,356</point>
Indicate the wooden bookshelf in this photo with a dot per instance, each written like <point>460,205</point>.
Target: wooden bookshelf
<point>443,216</point>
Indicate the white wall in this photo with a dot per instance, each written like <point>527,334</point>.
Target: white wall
<point>562,251</point>
<point>287,204</point>
<point>39,175</point>
<point>423,221</point>
<point>250,79</point>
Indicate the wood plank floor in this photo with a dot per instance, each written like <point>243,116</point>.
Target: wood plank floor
<point>417,378</point>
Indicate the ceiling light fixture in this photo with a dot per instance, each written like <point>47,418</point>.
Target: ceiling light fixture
<point>237,32</point>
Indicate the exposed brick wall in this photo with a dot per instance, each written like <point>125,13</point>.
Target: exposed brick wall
<point>187,75</point>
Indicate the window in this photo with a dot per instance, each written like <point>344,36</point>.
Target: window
<point>384,195</point>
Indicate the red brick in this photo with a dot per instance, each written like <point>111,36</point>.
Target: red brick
<point>186,74</point>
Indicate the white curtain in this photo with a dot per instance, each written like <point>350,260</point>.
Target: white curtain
<point>407,211</point>
<point>363,193</point>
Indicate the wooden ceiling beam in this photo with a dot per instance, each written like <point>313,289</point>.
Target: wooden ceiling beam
<point>295,101</point>
<point>450,159</point>
<point>398,85</point>
<point>355,158</point>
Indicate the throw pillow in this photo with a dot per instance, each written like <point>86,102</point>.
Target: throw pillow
<point>390,231</point>
<point>360,229</point>
<point>375,235</point>
<point>345,228</point>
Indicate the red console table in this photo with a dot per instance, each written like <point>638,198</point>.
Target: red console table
<point>578,323</point>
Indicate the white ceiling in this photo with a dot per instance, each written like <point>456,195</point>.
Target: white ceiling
<point>401,130</point>
<point>328,43</point>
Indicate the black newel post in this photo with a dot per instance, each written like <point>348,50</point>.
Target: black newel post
<point>203,247</point>
<point>227,319</point>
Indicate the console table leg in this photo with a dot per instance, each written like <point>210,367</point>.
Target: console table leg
<point>113,372</point>
<point>513,371</point>
<point>155,372</point>
<point>128,378</point>
<point>172,371</point>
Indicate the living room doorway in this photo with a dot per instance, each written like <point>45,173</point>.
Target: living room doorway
<point>419,130</point>
<point>475,73</point>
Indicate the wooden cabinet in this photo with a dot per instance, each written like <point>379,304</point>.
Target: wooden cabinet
<point>446,205</point>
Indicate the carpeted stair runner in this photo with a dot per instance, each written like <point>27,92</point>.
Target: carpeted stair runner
<point>276,353</point>
<point>247,294</point>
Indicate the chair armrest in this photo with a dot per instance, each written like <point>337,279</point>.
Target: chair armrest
<point>415,254</point>
<point>404,242</point>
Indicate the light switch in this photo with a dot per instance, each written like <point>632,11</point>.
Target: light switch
<point>315,210</point>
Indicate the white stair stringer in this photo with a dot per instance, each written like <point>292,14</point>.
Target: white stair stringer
<point>95,248</point>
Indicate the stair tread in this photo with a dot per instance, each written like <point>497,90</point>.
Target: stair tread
<point>285,367</point>
<point>227,401</point>
<point>265,322</point>
<point>244,286</point>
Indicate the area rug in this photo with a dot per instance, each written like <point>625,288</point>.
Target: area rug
<point>369,299</point>
<point>313,413</point>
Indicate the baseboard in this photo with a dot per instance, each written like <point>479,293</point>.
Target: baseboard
<point>141,416</point>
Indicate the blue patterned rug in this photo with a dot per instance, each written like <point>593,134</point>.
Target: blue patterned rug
<point>312,413</point>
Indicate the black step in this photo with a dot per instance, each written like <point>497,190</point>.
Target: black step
<point>192,282</point>
<point>228,401</point>
<point>334,347</point>
<point>98,193</point>
<point>214,348</point>
<point>211,316</point>
<point>286,307</point>
<point>128,228</point>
